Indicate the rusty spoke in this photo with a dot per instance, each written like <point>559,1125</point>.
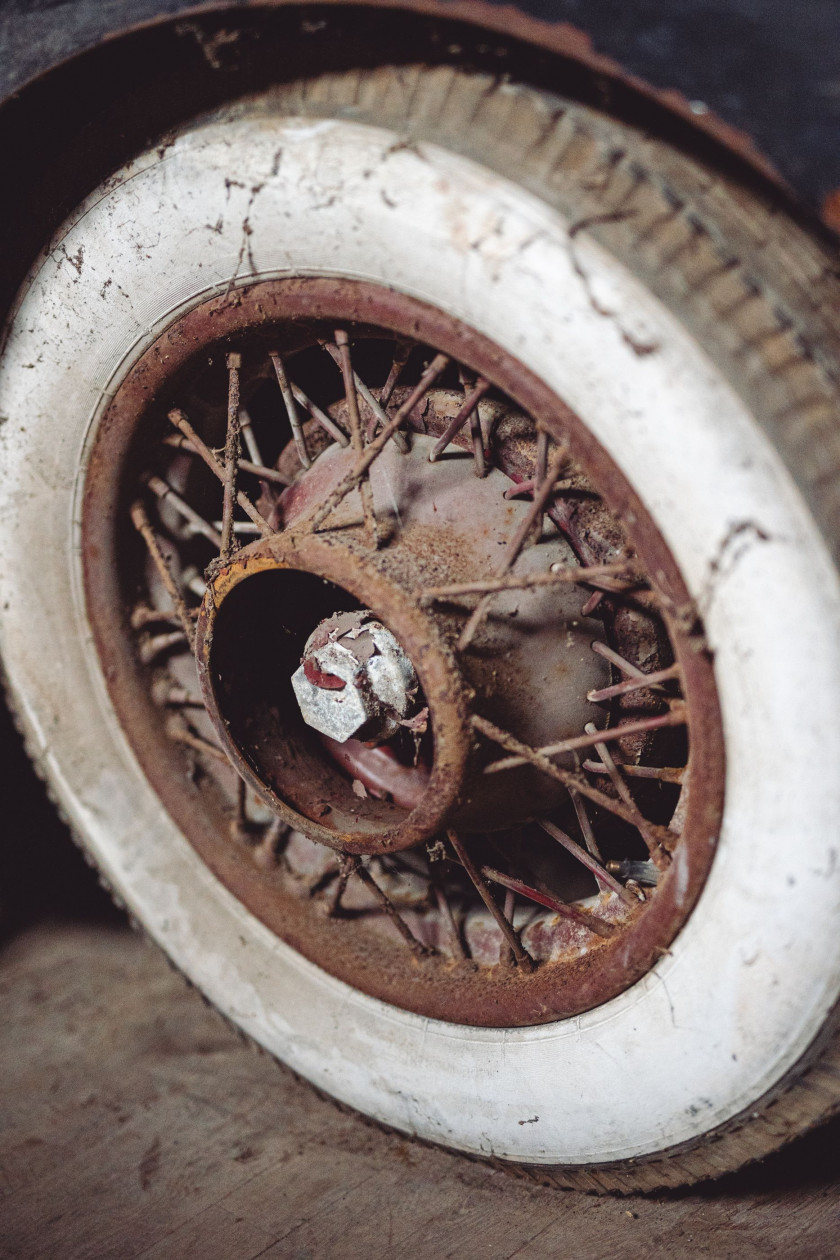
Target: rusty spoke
<point>556,576</point>
<point>642,825</point>
<point>508,910</point>
<point>446,913</point>
<point>245,465</point>
<point>676,717</point>
<point>507,929</point>
<point>246,428</point>
<point>181,422</point>
<point>582,815</point>
<point>520,537</point>
<point>142,524</point>
<point>586,859</point>
<point>609,654</point>
<point>529,486</point>
<point>666,774</point>
<point>178,730</point>
<point>266,851</point>
<point>467,410</point>
<point>583,917</point>
<point>515,544</point>
<point>523,754</point>
<point>241,824</point>
<point>355,476</point>
<point>540,475</point>
<point>355,422</point>
<point>142,615</point>
<point>234,363</point>
<point>291,409</point>
<point>150,649</point>
<point>633,684</point>
<point>402,352</point>
<point>345,870</point>
<point>320,417</point>
<point>174,696</point>
<point>164,493</point>
<point>379,417</point>
<point>417,947</point>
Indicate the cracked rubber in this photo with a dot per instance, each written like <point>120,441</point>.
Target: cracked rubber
<point>755,291</point>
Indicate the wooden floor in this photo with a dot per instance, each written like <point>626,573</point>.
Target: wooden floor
<point>134,1123</point>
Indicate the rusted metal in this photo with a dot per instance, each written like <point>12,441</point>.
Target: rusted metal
<point>589,740</point>
<point>666,774</point>
<point>351,399</point>
<point>601,873</point>
<point>585,824</point>
<point>361,872</point>
<point>150,649</point>
<point>246,428</point>
<point>582,917</point>
<point>585,574</point>
<point>234,363</point>
<point>161,490</point>
<point>245,465</point>
<point>178,730</point>
<point>142,524</point>
<point>291,409</point>
<point>265,853</point>
<point>174,696</point>
<point>497,996</point>
<point>609,654</point>
<point>634,684</point>
<point>507,929</point>
<point>355,681</point>
<point>329,426</point>
<point>356,475</point>
<point>346,867</point>
<point>516,543</point>
<point>467,411</point>
<point>402,351</point>
<point>538,757</point>
<point>293,782</point>
<point>181,422</point>
<point>445,910</point>
<point>142,615</point>
<point>651,836</point>
<point>378,416</point>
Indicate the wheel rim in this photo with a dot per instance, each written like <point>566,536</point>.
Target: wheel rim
<point>592,965</point>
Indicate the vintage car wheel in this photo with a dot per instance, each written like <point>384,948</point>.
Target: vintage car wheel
<point>532,424</point>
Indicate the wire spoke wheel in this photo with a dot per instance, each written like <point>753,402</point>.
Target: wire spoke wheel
<point>419,588</point>
<point>514,812</point>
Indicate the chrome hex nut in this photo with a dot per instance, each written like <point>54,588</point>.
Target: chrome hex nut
<point>354,679</point>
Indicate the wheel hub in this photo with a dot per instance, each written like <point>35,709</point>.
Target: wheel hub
<point>523,674</point>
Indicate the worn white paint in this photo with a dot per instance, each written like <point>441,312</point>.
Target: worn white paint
<point>750,979</point>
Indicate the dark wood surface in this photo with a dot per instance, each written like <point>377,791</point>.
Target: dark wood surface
<point>135,1123</point>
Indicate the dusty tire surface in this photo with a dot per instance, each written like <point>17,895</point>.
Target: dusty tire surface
<point>710,320</point>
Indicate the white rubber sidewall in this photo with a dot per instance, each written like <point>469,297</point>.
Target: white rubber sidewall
<point>749,981</point>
